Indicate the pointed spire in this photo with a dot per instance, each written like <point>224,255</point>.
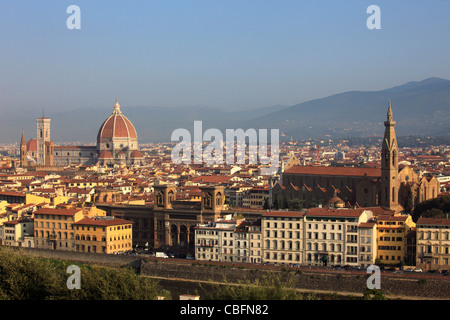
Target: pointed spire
<point>22,140</point>
<point>389,113</point>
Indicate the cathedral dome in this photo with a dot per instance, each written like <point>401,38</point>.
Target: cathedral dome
<point>32,145</point>
<point>116,126</point>
<point>117,141</point>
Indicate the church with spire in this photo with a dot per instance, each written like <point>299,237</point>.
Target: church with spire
<point>117,144</point>
<point>387,186</point>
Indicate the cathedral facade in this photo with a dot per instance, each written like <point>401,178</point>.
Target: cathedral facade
<point>387,186</point>
<point>117,144</point>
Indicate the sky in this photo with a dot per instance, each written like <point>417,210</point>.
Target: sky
<point>230,54</point>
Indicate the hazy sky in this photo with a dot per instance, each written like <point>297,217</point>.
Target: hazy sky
<point>222,53</point>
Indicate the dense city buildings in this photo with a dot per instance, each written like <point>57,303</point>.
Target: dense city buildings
<point>391,186</point>
<point>331,203</point>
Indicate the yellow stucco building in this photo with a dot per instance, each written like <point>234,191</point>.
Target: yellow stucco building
<point>392,234</point>
<point>78,229</point>
<point>53,228</point>
<point>103,235</point>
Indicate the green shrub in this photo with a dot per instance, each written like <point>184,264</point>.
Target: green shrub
<point>25,277</point>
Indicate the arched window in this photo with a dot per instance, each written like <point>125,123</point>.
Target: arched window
<point>218,199</point>
<point>171,196</point>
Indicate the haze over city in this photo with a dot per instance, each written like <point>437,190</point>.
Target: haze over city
<point>251,150</point>
<point>224,54</point>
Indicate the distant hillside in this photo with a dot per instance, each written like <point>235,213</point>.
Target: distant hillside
<point>419,108</point>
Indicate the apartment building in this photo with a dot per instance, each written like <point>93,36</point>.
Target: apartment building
<point>103,235</point>
<point>215,241</point>
<point>18,233</point>
<point>53,228</point>
<point>235,194</point>
<point>316,237</point>
<point>256,197</point>
<point>367,238</point>
<point>392,234</point>
<point>248,244</point>
<point>80,230</point>
<point>282,237</point>
<point>333,236</point>
<point>256,244</point>
<point>242,245</point>
<point>433,244</point>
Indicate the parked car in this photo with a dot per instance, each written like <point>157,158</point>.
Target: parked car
<point>336,267</point>
<point>409,270</point>
<point>161,255</point>
<point>391,269</point>
<point>417,270</point>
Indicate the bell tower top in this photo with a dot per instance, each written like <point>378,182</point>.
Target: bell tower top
<point>389,113</point>
<point>389,164</point>
<point>390,119</point>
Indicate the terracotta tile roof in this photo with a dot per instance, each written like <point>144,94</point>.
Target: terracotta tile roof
<point>433,221</point>
<point>32,145</point>
<point>377,211</point>
<point>77,148</point>
<point>367,224</point>
<point>12,193</point>
<point>334,171</point>
<point>211,179</point>
<point>64,212</point>
<point>102,222</point>
<point>117,125</point>
<point>326,212</point>
<point>295,214</point>
<point>391,218</point>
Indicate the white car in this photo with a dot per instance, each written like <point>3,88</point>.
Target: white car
<point>417,270</point>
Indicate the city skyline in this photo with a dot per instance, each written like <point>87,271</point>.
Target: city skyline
<point>233,55</point>
<point>257,149</point>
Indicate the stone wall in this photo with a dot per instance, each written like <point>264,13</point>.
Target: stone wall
<point>341,283</point>
<point>415,286</point>
<point>113,260</point>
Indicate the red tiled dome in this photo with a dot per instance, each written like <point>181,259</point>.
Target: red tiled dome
<point>117,126</point>
<point>105,154</point>
<point>136,154</point>
<point>32,145</point>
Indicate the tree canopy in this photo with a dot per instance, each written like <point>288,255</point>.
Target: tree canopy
<point>26,277</point>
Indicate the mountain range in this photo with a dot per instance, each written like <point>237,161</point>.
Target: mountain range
<point>419,108</point>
